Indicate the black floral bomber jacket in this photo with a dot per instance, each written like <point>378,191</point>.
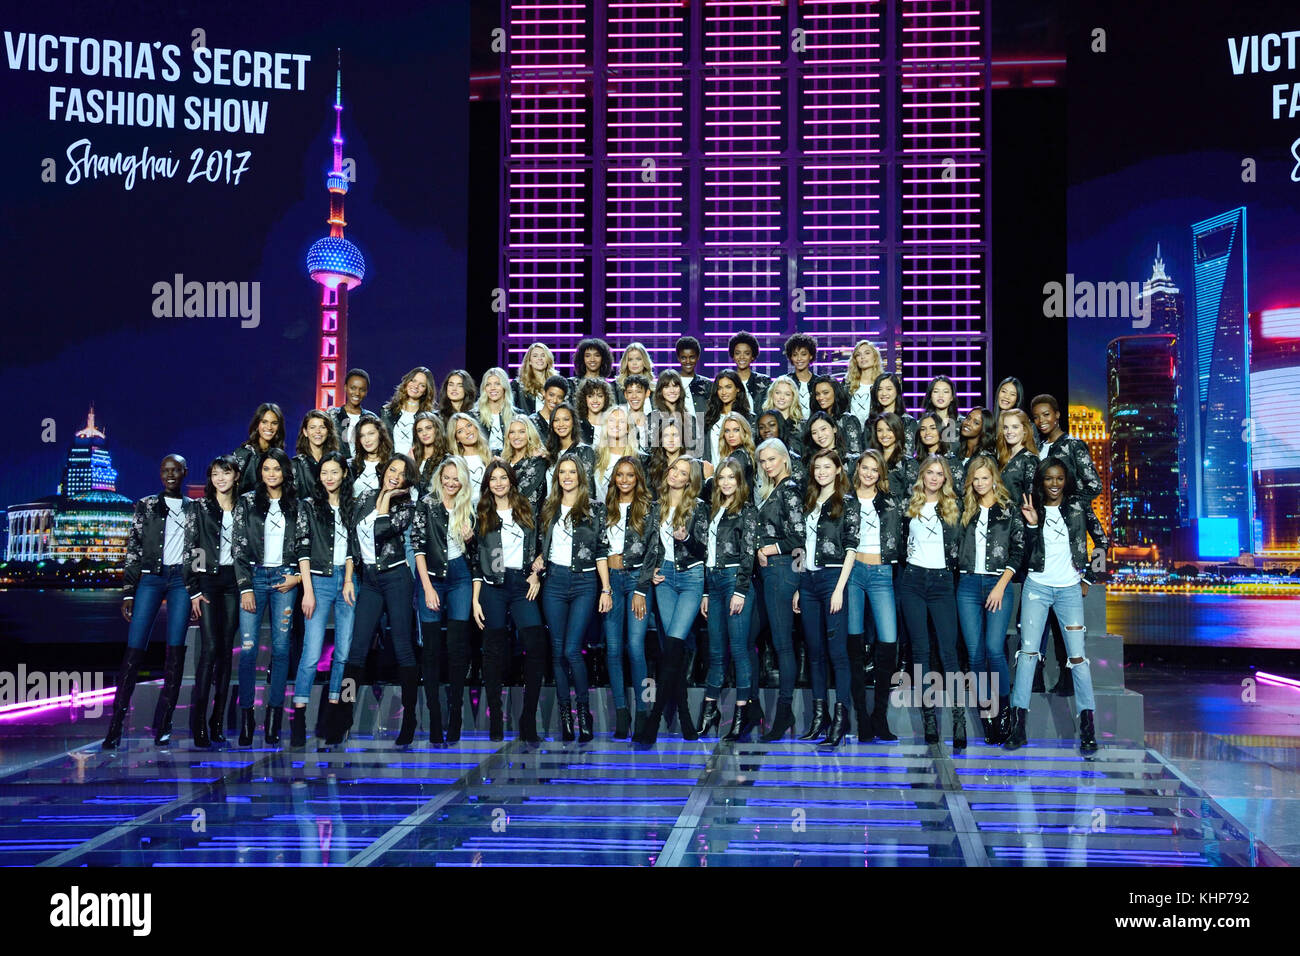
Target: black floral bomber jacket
<point>1004,546</point>
<point>590,541</point>
<point>390,530</point>
<point>836,536</point>
<point>144,543</point>
<point>686,554</point>
<point>780,517</point>
<point>1080,522</point>
<point>737,544</point>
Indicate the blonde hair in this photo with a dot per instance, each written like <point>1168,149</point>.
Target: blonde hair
<point>796,409</point>
<point>462,506</point>
<point>746,435</point>
<point>946,506</point>
<point>507,406</point>
<point>854,376</point>
<point>882,471</point>
<point>533,447</point>
<point>533,382</point>
<point>454,447</point>
<point>623,373</point>
<point>607,453</point>
<point>741,495</point>
<point>1004,450</point>
<point>690,494</point>
<point>972,500</point>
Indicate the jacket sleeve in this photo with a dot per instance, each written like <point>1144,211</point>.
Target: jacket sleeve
<point>792,503</point>
<point>748,548</point>
<point>852,528</point>
<point>239,546</point>
<point>134,551</point>
<point>602,534</point>
<point>302,536</point>
<point>645,579</point>
<point>1015,540</point>
<point>420,527</point>
<point>1099,539</point>
<point>1089,482</point>
<point>697,537</point>
<point>852,434</point>
<point>193,553</point>
<point>394,524</point>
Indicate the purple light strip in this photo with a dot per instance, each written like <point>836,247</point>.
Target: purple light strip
<point>1276,679</point>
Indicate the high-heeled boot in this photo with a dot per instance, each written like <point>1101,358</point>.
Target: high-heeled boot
<point>930,724</point>
<point>271,729</point>
<point>670,664</point>
<point>820,722</point>
<point>886,659</point>
<point>126,678</point>
<point>431,633</point>
<point>858,684</point>
<point>1003,719</point>
<point>1087,733</point>
<point>202,690</point>
<point>958,728</point>
<point>173,671</point>
<point>686,727</point>
<point>839,726</point>
<point>710,717</point>
<point>494,662</point>
<point>622,723</point>
<point>566,720</point>
<point>457,668</point>
<point>1015,738</point>
<point>220,695</point>
<point>352,677</point>
<point>782,723</point>
<point>247,726</point>
<point>738,721</point>
<point>585,734</point>
<point>410,681</point>
<point>534,641</point>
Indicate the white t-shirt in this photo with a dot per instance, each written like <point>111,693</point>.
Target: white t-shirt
<point>666,539</point>
<point>366,537</point>
<point>562,539</point>
<point>603,480</point>
<point>711,452</point>
<point>404,433</point>
<point>340,539</point>
<point>174,532</point>
<point>496,432</point>
<point>869,529</point>
<point>273,536</point>
<point>712,560</point>
<point>805,394</point>
<point>455,544</point>
<point>688,400</point>
<point>810,522</point>
<point>925,538</point>
<point>368,480</point>
<point>618,532</point>
<point>475,466</point>
<point>227,556</point>
<point>352,428</point>
<point>860,402</point>
<point>1058,569</point>
<point>981,541</point>
<point>512,541</point>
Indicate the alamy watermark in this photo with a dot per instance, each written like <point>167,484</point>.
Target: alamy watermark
<point>208,300</point>
<point>946,689</point>
<point>1100,300</point>
<point>75,689</point>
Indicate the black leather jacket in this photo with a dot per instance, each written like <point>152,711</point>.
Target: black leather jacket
<point>306,472</point>
<point>951,537</point>
<point>390,530</point>
<point>521,399</point>
<point>249,537</point>
<point>1080,522</point>
<point>315,538</point>
<point>1073,453</point>
<point>736,544</point>
<point>686,554</point>
<point>780,519</point>
<point>888,512</point>
<point>636,546</point>
<point>1019,474</point>
<point>836,536</point>
<point>209,520</point>
<point>144,543</point>
<point>486,554</point>
<point>429,535</point>
<point>1004,548</point>
<point>590,542</point>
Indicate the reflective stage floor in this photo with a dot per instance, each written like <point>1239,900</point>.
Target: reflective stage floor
<point>707,803</point>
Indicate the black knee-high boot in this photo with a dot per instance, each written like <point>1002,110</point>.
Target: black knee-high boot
<point>221,671</point>
<point>666,697</point>
<point>346,713</point>
<point>494,659</point>
<point>173,671</point>
<point>410,681</point>
<point>534,640</point>
<point>126,678</point>
<point>203,670</point>
<point>886,662</point>
<point>858,685</point>
<point>457,668</point>
<point>431,632</point>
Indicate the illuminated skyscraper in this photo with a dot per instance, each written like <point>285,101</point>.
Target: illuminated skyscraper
<point>1165,302</point>
<point>89,467</point>
<point>1222,383</point>
<point>1274,385</point>
<point>1089,426</point>
<point>339,267</point>
<point>1142,415</point>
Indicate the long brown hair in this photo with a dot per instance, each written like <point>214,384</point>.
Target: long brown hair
<point>581,510</point>
<point>331,434</point>
<point>1004,450</point>
<point>640,505</point>
<point>397,403</point>
<point>882,481</point>
<point>385,449</point>
<point>741,496</point>
<point>690,494</point>
<point>424,460</point>
<point>488,519</point>
<point>838,491</point>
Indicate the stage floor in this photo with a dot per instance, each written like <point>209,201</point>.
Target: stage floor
<point>707,803</point>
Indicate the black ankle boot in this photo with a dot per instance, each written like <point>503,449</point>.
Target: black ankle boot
<point>930,723</point>
<point>271,729</point>
<point>126,678</point>
<point>1039,687</point>
<point>958,729</point>
<point>1015,738</point>
<point>622,721</point>
<point>990,727</point>
<point>839,726</point>
<point>1003,719</point>
<point>820,722</point>
<point>247,724</point>
<point>585,734</point>
<point>638,724</point>
<point>298,726</point>
<point>566,722</point>
<point>753,714</point>
<point>886,657</point>
<point>217,722</point>
<point>173,671</point>
<point>1064,682</point>
<point>410,681</point>
<point>710,717</point>
<point>782,723</point>
<point>1087,733</point>
<point>496,720</point>
<point>738,721</point>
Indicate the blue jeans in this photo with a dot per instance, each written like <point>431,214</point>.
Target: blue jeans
<point>727,631</point>
<point>1035,601</point>
<point>569,601</point>
<point>381,591</point>
<point>508,602</point>
<point>872,584</point>
<point>149,594</point>
<point>328,589</point>
<point>985,631</point>
<point>455,593</point>
<point>679,597</point>
<point>250,623</point>
<point>824,632</point>
<point>778,583</point>
<point>619,621</point>
<point>926,594</point>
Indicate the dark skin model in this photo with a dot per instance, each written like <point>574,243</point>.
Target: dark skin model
<point>1054,495</point>
<point>1048,422</point>
<point>357,390</point>
<point>172,472</point>
<point>687,358</point>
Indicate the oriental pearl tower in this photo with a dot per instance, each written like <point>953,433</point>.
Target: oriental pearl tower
<point>338,266</point>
